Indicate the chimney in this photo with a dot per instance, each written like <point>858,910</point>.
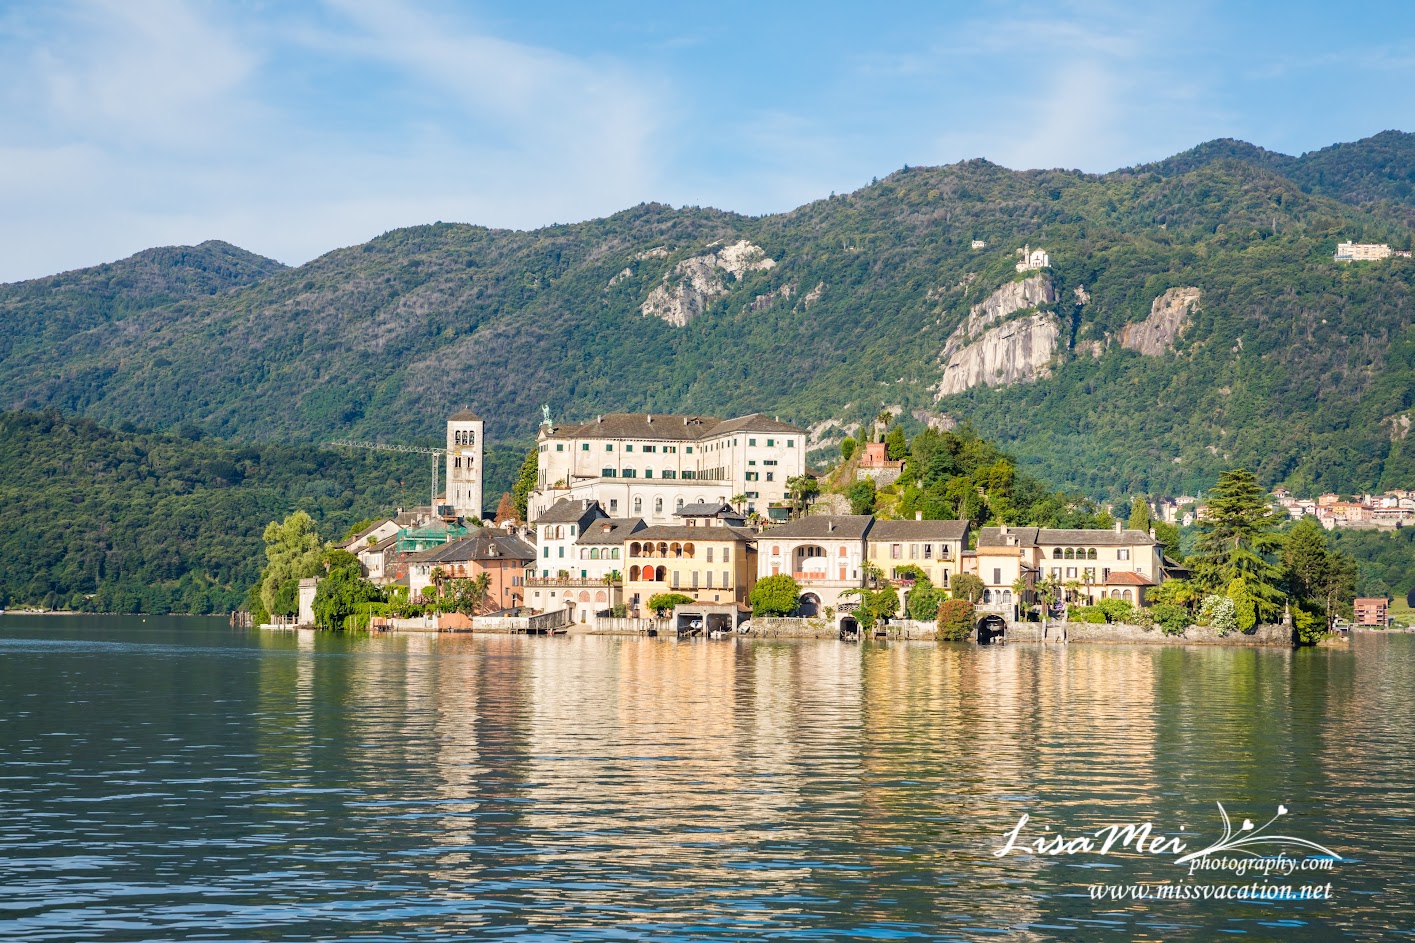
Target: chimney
<point>650,417</point>
<point>830,527</point>
<point>1002,529</point>
<point>918,515</point>
<point>1152,533</point>
<point>1117,527</point>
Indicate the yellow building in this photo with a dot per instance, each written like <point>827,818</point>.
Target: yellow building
<point>936,547</point>
<point>712,564</point>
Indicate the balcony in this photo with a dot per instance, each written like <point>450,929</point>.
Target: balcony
<point>568,582</point>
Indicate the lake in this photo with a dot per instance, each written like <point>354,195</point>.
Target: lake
<point>175,779</point>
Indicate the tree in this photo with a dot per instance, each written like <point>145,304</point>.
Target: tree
<point>955,620</point>
<point>862,496</point>
<point>1139,515</point>
<point>923,601</point>
<point>1315,576</point>
<point>1237,535</point>
<point>339,595</point>
<point>1168,536</point>
<point>969,587</point>
<point>803,490</point>
<point>1245,610</point>
<point>775,595</point>
<point>664,603</point>
<point>847,448</point>
<point>525,483</point>
<point>896,446</point>
<point>506,509</point>
<point>293,551</point>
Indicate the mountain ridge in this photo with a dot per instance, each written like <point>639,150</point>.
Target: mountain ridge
<point>379,339</point>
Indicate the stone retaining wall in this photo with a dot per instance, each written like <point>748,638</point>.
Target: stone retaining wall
<point>1277,635</point>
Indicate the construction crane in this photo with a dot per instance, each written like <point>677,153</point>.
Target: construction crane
<point>416,449</point>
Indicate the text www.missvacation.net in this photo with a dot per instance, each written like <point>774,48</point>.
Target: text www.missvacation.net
<point>1255,891</point>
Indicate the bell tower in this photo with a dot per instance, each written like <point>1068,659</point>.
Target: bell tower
<point>464,463</point>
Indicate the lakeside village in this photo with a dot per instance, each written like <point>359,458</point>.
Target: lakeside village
<point>689,525</point>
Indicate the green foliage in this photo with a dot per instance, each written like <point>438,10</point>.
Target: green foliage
<point>1385,560</point>
<point>1171,619</point>
<point>663,604</point>
<point>775,595</point>
<point>1310,627</point>
<point>847,448</point>
<point>1091,614</point>
<point>293,551</point>
<point>968,587</point>
<point>1140,518</point>
<point>1116,610</point>
<point>862,496</point>
<point>525,483</point>
<point>342,593</point>
<point>107,521</point>
<point>1181,593</point>
<point>955,620</point>
<point>1169,537</point>
<point>1245,609</point>
<point>1237,537</point>
<point>1316,577</point>
<point>896,446</point>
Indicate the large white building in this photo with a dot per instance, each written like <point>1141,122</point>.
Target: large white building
<point>464,463</point>
<point>650,465</point>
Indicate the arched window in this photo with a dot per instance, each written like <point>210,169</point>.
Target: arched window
<point>594,553</point>
<point>658,505</point>
<point>633,573</point>
<point>676,549</point>
<point>1070,554</point>
<point>688,550</point>
<point>1127,597</point>
<point>661,574</point>
<point>678,503</point>
<point>638,505</point>
<point>1056,554</point>
<point>635,549</point>
<point>842,551</point>
<point>663,548</point>
<point>614,553</point>
<point>1091,554</point>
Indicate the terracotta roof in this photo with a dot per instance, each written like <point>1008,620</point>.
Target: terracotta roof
<point>671,426</point>
<point>639,426</point>
<point>1126,578</point>
<point>610,530</point>
<point>479,546</point>
<point>756,422</point>
<point>697,534</point>
<point>823,527</point>
<point>570,511</point>
<point>709,509</point>
<point>919,530</point>
<point>464,415</point>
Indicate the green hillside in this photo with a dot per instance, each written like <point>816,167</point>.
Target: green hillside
<point>1293,364</point>
<point>98,520</point>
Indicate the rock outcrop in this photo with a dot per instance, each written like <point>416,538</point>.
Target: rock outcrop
<point>1015,352</point>
<point>694,283</point>
<point>1035,291</point>
<point>1168,320</point>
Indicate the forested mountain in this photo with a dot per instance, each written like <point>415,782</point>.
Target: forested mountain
<point>1271,355</point>
<point>108,521</point>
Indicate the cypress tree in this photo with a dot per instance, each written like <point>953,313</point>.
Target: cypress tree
<point>1237,537</point>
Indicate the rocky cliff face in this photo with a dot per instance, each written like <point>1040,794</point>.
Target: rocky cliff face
<point>1169,318</point>
<point>1016,352</point>
<point>694,283</point>
<point>1034,291</point>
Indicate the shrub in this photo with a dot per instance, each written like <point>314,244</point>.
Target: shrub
<point>847,449</point>
<point>1171,619</point>
<point>1143,618</point>
<point>775,596</point>
<point>923,601</point>
<point>1116,610</point>
<point>1090,614</point>
<point>955,620</point>
<point>1245,607</point>
<point>664,603</point>
<point>1219,614</point>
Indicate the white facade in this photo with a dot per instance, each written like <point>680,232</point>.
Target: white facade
<point>1033,259</point>
<point>464,464</point>
<point>1362,251</point>
<point>643,465</point>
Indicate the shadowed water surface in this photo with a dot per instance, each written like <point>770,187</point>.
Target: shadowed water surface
<point>173,779</point>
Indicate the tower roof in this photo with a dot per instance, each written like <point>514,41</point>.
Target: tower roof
<point>465,415</point>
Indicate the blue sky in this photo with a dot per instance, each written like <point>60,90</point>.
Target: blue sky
<point>293,129</point>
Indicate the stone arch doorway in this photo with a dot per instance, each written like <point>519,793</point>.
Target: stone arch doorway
<point>849,629</point>
<point>809,606</point>
<point>991,629</point>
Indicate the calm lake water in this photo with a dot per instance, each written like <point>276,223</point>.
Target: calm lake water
<point>173,779</point>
